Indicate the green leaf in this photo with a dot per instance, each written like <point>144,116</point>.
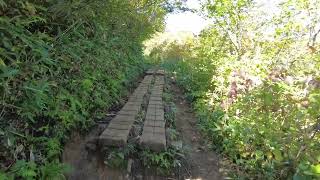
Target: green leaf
<point>3,4</point>
<point>87,84</point>
<point>3,176</point>
<point>7,72</point>
<point>278,155</point>
<point>316,169</point>
<point>268,98</point>
<point>299,177</point>
<point>259,154</point>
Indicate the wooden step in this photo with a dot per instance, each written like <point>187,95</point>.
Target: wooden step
<point>117,132</point>
<point>159,72</point>
<point>153,135</point>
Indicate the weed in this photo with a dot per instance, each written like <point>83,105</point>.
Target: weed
<point>165,162</point>
<point>63,63</point>
<point>118,157</point>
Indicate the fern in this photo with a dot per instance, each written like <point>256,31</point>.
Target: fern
<point>53,148</point>
<point>3,176</point>
<point>62,63</point>
<point>25,170</point>
<point>54,171</point>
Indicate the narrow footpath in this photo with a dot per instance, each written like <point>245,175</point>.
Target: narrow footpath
<point>203,163</point>
<point>82,153</point>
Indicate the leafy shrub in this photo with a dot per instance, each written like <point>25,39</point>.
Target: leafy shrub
<point>263,132</point>
<point>257,98</point>
<point>269,131</point>
<point>62,64</point>
<point>30,170</point>
<point>117,157</point>
<point>164,161</point>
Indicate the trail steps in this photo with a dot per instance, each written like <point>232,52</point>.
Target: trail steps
<point>153,134</point>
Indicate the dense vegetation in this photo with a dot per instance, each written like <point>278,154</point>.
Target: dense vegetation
<point>62,64</point>
<point>254,83</point>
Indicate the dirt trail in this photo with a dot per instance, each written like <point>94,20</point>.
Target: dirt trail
<point>204,164</point>
<point>82,153</point>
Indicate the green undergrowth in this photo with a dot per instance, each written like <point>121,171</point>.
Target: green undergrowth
<point>118,157</point>
<point>62,65</point>
<point>260,112</point>
<point>165,163</point>
<point>265,134</point>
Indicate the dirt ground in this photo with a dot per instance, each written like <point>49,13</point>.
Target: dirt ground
<point>204,164</point>
<point>83,155</point>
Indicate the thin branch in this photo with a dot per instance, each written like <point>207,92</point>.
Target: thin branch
<point>314,38</point>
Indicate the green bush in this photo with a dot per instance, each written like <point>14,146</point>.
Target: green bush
<point>62,64</point>
<point>268,131</point>
<point>256,96</point>
<point>268,134</point>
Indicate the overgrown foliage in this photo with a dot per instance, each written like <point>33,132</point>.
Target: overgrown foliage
<point>254,83</point>
<point>62,64</point>
<point>165,162</point>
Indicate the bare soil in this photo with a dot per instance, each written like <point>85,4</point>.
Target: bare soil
<point>82,154</point>
<point>203,163</point>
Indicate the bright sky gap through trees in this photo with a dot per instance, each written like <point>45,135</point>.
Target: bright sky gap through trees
<point>194,22</point>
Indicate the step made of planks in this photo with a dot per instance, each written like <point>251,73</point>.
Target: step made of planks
<point>156,72</point>
<point>153,135</point>
<point>117,132</point>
